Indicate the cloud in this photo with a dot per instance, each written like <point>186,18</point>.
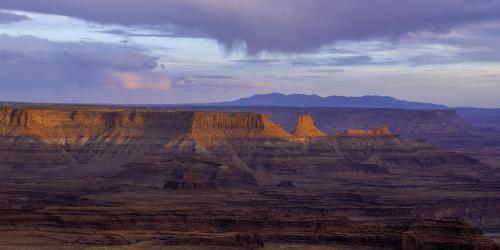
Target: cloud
<point>83,54</point>
<point>474,56</point>
<point>8,17</point>
<point>167,31</point>
<point>139,80</point>
<point>256,61</point>
<point>355,60</point>
<point>31,62</point>
<point>277,25</point>
<point>312,61</point>
<point>326,70</point>
<point>217,81</point>
<point>469,44</point>
<point>35,69</point>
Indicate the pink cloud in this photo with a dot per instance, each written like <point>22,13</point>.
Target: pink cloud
<point>139,80</point>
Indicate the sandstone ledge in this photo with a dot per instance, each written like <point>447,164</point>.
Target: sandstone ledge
<point>380,132</point>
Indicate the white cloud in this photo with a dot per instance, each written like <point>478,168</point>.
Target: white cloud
<point>8,17</point>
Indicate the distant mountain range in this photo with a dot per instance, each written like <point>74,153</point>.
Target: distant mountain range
<point>300,100</point>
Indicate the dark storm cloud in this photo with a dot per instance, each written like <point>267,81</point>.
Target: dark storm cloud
<point>7,17</point>
<point>277,25</point>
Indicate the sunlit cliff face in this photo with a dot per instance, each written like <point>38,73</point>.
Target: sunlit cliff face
<point>306,128</point>
<point>117,126</point>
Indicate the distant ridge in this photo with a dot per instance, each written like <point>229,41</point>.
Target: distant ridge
<point>301,100</point>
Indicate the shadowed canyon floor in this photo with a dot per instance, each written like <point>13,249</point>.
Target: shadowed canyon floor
<point>163,179</point>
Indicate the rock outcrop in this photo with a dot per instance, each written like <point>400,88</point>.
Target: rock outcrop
<point>60,126</point>
<point>219,149</point>
<point>373,132</point>
<point>209,127</point>
<point>92,177</point>
<point>407,123</point>
<point>306,128</point>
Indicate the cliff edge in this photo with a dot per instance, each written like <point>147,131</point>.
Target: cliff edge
<point>85,125</point>
<point>372,132</point>
<point>306,128</point>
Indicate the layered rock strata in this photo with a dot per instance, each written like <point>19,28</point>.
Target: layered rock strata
<point>100,177</point>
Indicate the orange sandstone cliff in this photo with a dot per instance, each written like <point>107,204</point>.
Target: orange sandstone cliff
<point>80,126</point>
<point>306,128</point>
<point>210,127</point>
<point>117,126</point>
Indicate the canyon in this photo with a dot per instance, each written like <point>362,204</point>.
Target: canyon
<point>455,130</point>
<point>145,178</point>
<point>406,123</point>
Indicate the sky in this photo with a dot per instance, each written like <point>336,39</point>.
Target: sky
<point>195,51</point>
